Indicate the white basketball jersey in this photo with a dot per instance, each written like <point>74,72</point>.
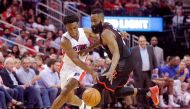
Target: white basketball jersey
<point>81,44</point>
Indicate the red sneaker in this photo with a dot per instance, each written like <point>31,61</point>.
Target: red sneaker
<point>155,95</point>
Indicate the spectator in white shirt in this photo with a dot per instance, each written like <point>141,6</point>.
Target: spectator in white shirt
<point>25,75</point>
<point>49,79</point>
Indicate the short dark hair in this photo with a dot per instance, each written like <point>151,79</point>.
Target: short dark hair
<point>70,19</point>
<point>51,62</point>
<point>97,11</point>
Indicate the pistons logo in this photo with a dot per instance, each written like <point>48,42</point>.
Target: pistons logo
<point>80,47</point>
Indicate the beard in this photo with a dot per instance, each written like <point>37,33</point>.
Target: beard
<point>97,28</point>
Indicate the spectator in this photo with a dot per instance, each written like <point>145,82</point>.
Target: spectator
<point>25,74</point>
<point>187,62</point>
<point>40,63</point>
<point>29,44</point>
<point>183,76</point>
<point>118,8</point>
<point>6,15</point>
<point>53,56</point>
<point>108,7</point>
<point>57,41</point>
<point>17,65</point>
<point>1,61</point>
<point>145,62</point>
<point>49,27</point>
<point>39,46</point>
<point>11,81</point>
<point>132,8</point>
<point>7,35</point>
<point>178,19</point>
<point>97,4</point>
<point>49,80</point>
<point>15,51</point>
<point>38,24</point>
<point>20,21</point>
<point>170,71</point>
<point>10,101</point>
<point>4,4</point>
<point>164,83</point>
<point>157,51</point>
<point>50,51</point>
<point>30,23</point>
<point>33,65</point>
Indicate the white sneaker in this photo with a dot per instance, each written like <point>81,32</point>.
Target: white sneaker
<point>84,106</point>
<point>163,105</point>
<point>172,104</point>
<point>118,104</point>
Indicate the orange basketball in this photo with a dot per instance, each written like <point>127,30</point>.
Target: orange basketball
<point>91,97</point>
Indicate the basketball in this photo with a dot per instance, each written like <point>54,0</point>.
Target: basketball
<point>91,97</point>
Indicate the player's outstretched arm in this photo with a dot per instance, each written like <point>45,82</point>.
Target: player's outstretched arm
<point>94,38</point>
<point>108,38</point>
<point>66,45</point>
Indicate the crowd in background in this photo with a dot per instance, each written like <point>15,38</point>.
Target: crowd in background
<point>26,76</point>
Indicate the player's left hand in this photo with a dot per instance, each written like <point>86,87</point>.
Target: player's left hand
<point>124,35</point>
<point>110,76</point>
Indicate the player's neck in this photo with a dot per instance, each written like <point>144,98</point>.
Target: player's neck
<point>75,37</point>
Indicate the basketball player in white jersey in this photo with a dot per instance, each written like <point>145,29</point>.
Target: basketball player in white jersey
<point>72,71</point>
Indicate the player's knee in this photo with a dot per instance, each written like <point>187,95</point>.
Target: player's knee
<point>72,84</point>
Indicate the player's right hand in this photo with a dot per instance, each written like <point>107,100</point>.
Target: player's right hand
<point>84,52</point>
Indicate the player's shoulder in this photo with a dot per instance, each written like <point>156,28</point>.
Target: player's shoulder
<point>81,30</point>
<point>64,36</point>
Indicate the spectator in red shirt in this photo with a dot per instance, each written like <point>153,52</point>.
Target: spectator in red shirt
<point>7,14</point>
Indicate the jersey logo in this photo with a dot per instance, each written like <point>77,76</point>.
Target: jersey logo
<point>80,47</point>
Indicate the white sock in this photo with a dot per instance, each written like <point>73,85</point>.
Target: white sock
<point>161,98</point>
<point>171,98</point>
<point>82,103</point>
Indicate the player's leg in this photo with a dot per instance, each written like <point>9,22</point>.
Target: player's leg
<point>62,98</point>
<point>74,99</point>
<point>152,92</point>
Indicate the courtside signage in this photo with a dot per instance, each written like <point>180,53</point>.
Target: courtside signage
<point>148,24</point>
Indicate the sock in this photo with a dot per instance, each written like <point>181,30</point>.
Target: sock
<point>82,103</point>
<point>170,98</point>
<point>161,98</point>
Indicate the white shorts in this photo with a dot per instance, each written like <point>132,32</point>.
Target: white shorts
<point>68,72</point>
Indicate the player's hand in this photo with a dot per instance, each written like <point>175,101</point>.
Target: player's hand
<point>124,35</point>
<point>84,52</point>
<point>95,77</point>
<point>110,76</point>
